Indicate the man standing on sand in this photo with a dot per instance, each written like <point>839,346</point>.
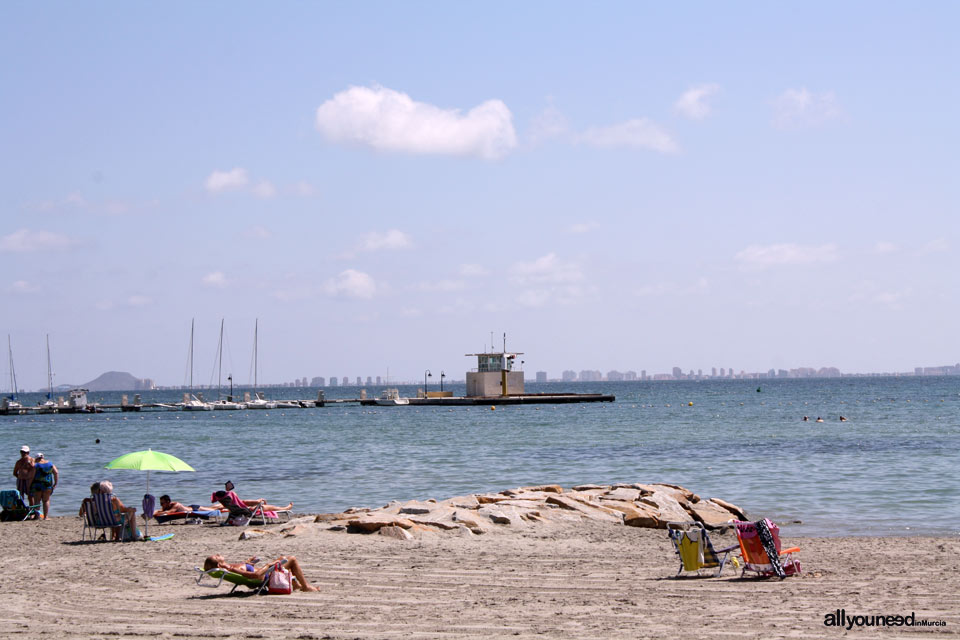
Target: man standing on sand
<point>23,471</point>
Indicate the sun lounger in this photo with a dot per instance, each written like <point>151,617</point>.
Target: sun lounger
<point>259,585</point>
<point>760,547</point>
<point>696,551</point>
<point>242,515</point>
<point>192,517</point>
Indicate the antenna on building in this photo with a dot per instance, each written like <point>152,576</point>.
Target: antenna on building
<point>504,341</point>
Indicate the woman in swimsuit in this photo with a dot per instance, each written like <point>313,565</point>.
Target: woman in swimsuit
<point>45,479</point>
<point>249,569</point>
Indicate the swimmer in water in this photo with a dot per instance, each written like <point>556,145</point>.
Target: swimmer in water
<point>819,419</point>
<point>806,418</point>
<point>842,419</point>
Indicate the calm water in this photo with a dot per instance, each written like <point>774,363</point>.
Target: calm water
<point>892,469</point>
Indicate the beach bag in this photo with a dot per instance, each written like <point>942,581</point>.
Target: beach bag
<point>280,580</point>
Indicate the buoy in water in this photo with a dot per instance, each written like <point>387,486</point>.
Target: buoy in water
<point>493,408</point>
<point>689,404</point>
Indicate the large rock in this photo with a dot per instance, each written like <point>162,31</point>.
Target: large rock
<point>471,521</point>
<point>636,515</point>
<point>585,509</point>
<point>732,508</point>
<point>372,522</point>
<point>461,502</point>
<point>668,506</point>
<point>502,514</point>
<point>417,507</point>
<point>397,533</point>
<point>622,493</point>
<point>544,488</point>
<point>710,513</point>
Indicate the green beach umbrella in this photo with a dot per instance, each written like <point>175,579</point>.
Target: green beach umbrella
<point>148,461</point>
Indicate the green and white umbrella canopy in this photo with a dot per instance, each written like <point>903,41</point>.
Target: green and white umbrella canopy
<point>148,461</point>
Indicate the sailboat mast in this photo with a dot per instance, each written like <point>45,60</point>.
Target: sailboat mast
<point>191,356</point>
<point>13,374</point>
<point>220,358</point>
<point>49,372</point>
<point>256,327</point>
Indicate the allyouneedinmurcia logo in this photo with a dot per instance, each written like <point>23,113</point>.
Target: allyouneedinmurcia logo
<point>840,618</point>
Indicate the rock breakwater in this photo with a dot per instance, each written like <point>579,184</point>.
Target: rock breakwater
<point>634,505</point>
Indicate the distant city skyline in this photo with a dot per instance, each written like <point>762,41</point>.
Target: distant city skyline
<point>381,185</point>
<point>568,375</point>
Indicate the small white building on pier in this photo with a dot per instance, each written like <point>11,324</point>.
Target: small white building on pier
<point>494,375</point>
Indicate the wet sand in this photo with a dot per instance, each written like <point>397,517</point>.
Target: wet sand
<point>566,580</point>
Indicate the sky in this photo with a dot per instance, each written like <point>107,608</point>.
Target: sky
<point>383,186</point>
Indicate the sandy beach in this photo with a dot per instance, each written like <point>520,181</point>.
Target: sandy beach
<point>564,580</point>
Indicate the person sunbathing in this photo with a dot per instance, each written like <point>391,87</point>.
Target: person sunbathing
<point>249,569</point>
<point>168,506</point>
<point>230,500</point>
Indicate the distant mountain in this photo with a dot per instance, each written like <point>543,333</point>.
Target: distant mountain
<point>116,381</point>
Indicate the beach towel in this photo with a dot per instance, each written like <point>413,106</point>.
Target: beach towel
<point>770,546</point>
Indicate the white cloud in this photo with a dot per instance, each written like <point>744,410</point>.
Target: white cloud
<point>352,284</point>
<point>800,107</point>
<point>473,270</point>
<point>934,246</point>
<point>548,269</point>
<point>304,189</point>
<point>257,232</point>
<point>214,279</point>
<point>264,189</point>
<point>548,124</point>
<point>547,279</point>
<point>387,120</point>
<point>672,288</point>
<point>872,293</point>
<point>138,301</point>
<point>443,286</point>
<point>885,247</point>
<point>639,133</point>
<point>761,257</point>
<point>22,286</point>
<point>583,227</point>
<point>25,241</point>
<point>392,239</point>
<point>226,180</point>
<point>694,101</point>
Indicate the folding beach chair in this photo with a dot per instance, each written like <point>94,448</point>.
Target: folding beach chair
<point>693,546</point>
<point>98,515</point>
<point>258,585</point>
<point>760,548</point>
<point>17,507</point>
<point>241,515</point>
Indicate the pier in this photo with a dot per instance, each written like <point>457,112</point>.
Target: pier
<point>282,405</point>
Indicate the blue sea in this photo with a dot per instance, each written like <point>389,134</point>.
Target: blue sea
<point>891,469</point>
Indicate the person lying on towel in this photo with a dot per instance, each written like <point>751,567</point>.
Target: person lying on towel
<point>249,569</point>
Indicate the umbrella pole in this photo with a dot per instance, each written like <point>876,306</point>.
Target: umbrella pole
<point>146,520</point>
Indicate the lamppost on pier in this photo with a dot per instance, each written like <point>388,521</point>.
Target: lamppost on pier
<point>442,376</point>
<point>426,374</point>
